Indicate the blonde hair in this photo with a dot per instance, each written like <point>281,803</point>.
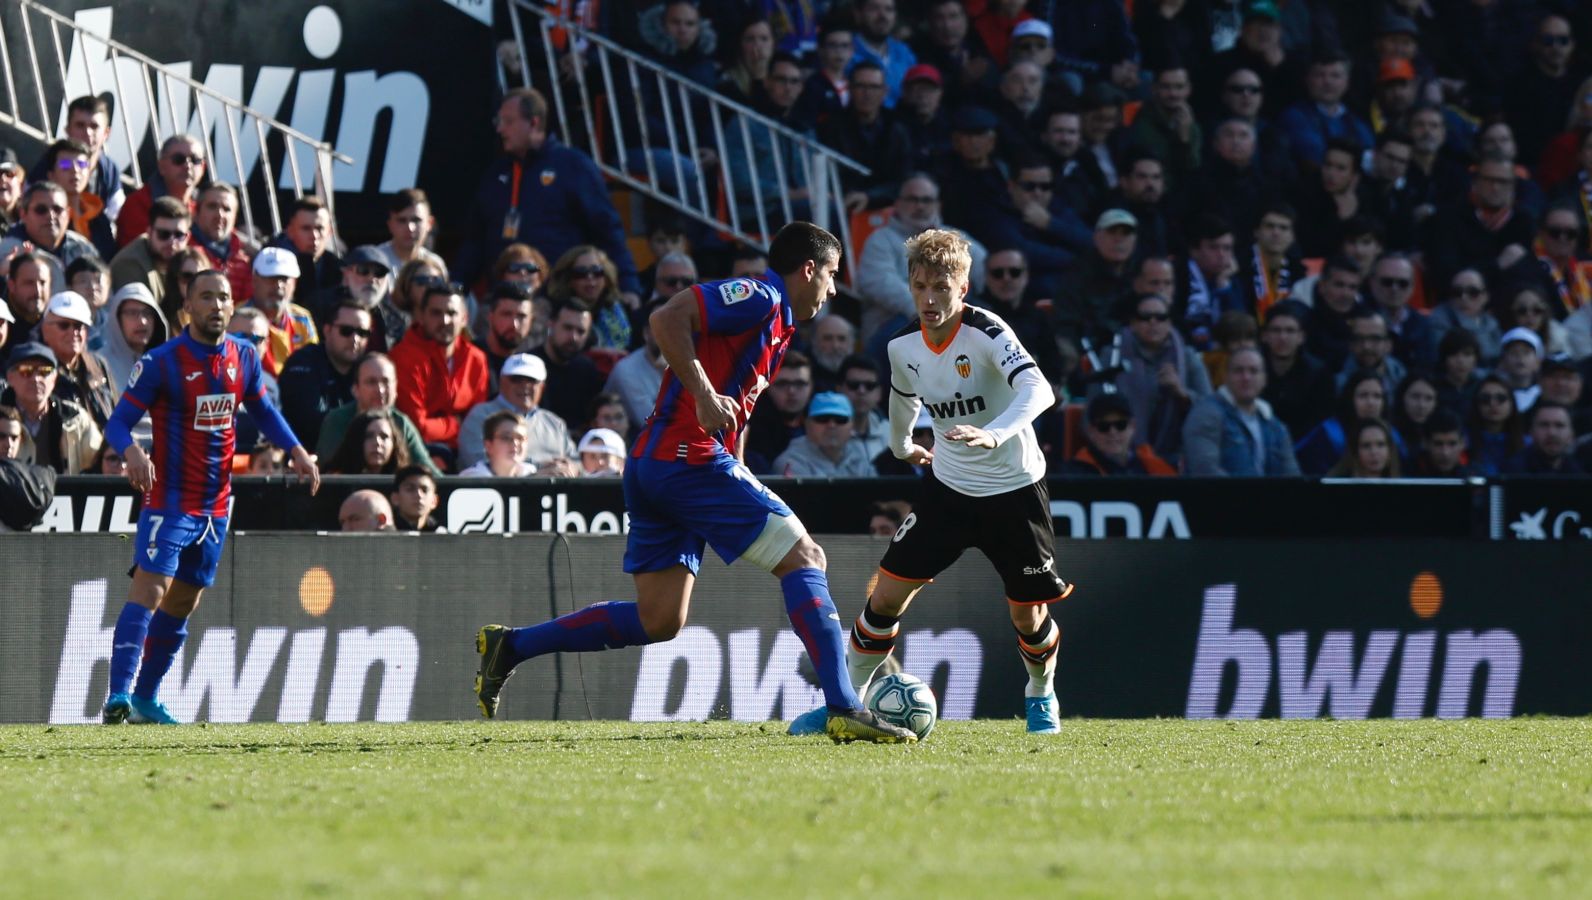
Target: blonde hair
<point>939,250</point>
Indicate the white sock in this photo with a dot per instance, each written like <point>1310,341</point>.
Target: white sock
<point>1041,675</point>
<point>861,666</point>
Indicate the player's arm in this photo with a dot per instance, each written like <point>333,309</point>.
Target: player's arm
<point>675,325</point>
<point>142,385</point>
<point>904,406</point>
<point>275,428</point>
<point>1034,396</point>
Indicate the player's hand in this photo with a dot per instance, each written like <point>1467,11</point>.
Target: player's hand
<point>715,412</point>
<point>140,471</point>
<point>919,455</point>
<point>303,465</point>
<point>971,436</point>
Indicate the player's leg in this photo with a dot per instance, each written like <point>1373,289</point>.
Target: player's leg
<point>203,537</point>
<point>664,560</point>
<point>873,635</point>
<point>1022,549</point>
<point>127,641</point>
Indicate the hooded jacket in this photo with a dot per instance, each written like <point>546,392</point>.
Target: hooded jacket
<point>119,357</point>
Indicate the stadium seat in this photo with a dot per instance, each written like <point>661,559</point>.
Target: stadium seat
<point>866,222</point>
<point>605,358</point>
<point>1071,429</point>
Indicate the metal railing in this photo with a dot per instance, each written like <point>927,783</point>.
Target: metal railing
<point>619,117</point>
<point>150,102</point>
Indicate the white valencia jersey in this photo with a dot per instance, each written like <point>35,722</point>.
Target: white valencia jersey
<point>966,381</point>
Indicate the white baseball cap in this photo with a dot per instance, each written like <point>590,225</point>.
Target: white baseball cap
<point>1032,28</point>
<point>525,365</point>
<point>603,440</point>
<point>71,305</point>
<point>1523,335</point>
<point>275,262</point>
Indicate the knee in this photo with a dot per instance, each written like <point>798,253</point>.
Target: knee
<point>1027,617</point>
<point>662,625</point>
<point>808,555</point>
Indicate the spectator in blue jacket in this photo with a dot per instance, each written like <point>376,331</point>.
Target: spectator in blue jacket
<point>1233,432</point>
<point>876,43</point>
<point>1309,123</point>
<point>542,193</point>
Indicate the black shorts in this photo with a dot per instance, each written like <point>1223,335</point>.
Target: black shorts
<point>1013,530</point>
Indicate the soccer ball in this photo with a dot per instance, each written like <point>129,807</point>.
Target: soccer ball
<point>904,700</point>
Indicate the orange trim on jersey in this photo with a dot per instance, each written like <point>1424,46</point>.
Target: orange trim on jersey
<point>1061,596</point>
<point>889,574</point>
<point>937,350</point>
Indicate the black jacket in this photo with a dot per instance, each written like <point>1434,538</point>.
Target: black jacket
<point>310,389</point>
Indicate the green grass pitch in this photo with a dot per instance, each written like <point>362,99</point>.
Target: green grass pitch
<point>1108,809</point>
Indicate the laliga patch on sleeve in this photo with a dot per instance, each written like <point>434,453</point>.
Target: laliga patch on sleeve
<point>733,292</point>
<point>132,377</point>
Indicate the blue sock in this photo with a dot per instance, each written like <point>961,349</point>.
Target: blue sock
<point>166,634</point>
<point>127,646</point>
<point>812,613</point>
<point>601,626</point>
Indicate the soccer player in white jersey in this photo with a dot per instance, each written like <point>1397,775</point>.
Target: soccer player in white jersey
<point>986,485</point>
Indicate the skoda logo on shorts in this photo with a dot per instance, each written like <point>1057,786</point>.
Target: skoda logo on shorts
<point>476,511</point>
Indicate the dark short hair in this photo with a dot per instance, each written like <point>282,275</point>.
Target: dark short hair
<point>1360,226</point>
<point>786,57</point>
<point>406,198</point>
<point>1345,145</point>
<point>65,145</point>
<point>89,104</point>
<point>169,207</point>
<point>86,264</point>
<point>445,290</point>
<point>799,242</point>
<point>411,471</point>
<point>1456,341</point>
<point>571,304</point>
<point>1208,227</point>
<point>209,273</point>
<point>308,203</point>
<point>1339,263</point>
<point>859,361</point>
<point>1442,421</point>
<point>1279,208</point>
<point>1542,406</point>
<point>9,414</point>
<point>878,508</point>
<point>22,259</point>
<point>796,359</point>
<point>1290,309</point>
<point>866,65</point>
<point>744,252</point>
<point>347,303</point>
<point>220,187</point>
<point>510,290</point>
<point>1393,134</point>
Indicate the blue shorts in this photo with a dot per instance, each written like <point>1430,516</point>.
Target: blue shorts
<point>676,509</point>
<point>186,547</point>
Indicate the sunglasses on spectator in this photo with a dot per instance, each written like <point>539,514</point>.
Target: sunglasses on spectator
<point>30,370</point>
<point>1154,317</point>
<point>255,339</point>
<point>677,281</point>
<point>1531,310</point>
<point>1034,187</point>
<point>587,272</point>
<point>524,268</point>
<point>1113,425</point>
<point>370,270</point>
<point>830,420</point>
<point>171,234</point>
<point>1398,283</point>
<point>1467,291</point>
<point>1563,234</point>
<point>183,159</point>
<point>861,385</point>
<point>1006,272</point>
<point>69,165</point>
<point>41,209</point>
<point>1246,89</point>
<point>349,331</point>
<point>429,281</point>
<point>69,325</point>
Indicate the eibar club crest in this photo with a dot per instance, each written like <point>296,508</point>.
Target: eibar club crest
<point>964,366</point>
<point>548,176</point>
<point>232,372</point>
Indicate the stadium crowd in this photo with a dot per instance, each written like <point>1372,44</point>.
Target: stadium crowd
<point>1271,237</point>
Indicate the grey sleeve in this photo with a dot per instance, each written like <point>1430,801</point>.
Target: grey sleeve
<point>1199,378</point>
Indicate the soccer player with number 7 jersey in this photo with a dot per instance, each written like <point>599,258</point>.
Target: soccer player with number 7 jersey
<point>191,387</point>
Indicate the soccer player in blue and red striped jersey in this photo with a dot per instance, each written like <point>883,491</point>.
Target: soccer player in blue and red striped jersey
<point>685,489</point>
<point>191,388</point>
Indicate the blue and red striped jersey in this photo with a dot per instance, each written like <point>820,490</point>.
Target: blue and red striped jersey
<point>747,325</point>
<point>192,392</point>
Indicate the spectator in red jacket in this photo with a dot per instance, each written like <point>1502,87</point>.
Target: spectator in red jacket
<point>179,170</point>
<point>440,373</point>
<point>214,233</point>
